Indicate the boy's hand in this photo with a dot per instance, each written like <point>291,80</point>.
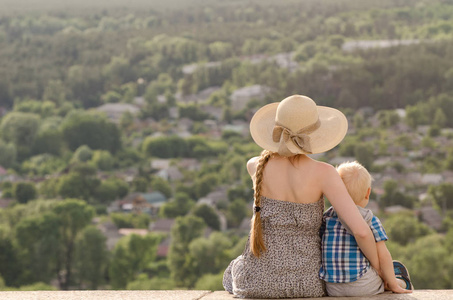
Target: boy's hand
<point>394,287</point>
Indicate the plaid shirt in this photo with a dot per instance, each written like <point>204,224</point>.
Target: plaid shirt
<point>342,259</point>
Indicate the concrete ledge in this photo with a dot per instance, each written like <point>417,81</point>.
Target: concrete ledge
<point>197,295</point>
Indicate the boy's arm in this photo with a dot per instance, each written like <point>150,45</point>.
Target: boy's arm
<point>387,272</point>
<point>335,190</point>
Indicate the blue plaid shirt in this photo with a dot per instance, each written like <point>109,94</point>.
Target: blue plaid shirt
<point>342,260</point>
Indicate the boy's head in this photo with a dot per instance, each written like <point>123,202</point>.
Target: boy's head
<point>357,181</point>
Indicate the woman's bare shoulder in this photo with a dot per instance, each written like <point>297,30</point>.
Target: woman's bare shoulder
<point>324,169</point>
<point>251,165</point>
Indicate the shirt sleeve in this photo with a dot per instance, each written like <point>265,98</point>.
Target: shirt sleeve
<point>378,230</point>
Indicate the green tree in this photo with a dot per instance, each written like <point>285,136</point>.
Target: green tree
<point>103,160</point>
<point>393,195</point>
<point>210,282</point>
<point>24,191</point>
<point>179,206</point>
<point>10,264</point>
<point>39,240</point>
<point>415,116</point>
<point>209,255</point>
<point>364,153</point>
<point>55,92</point>
<point>358,120</point>
<point>449,160</point>
<point>165,147</point>
<point>93,130</point>
<point>388,118</point>
<point>156,283</point>
<point>140,184</point>
<point>208,214</point>
<point>404,228</point>
<point>440,119</point>
<point>161,185</point>
<point>134,220</point>
<point>48,140</point>
<point>127,119</point>
<point>82,154</point>
<point>106,192</point>
<point>183,232</point>
<point>20,129</point>
<point>132,256</point>
<point>427,259</point>
<point>236,212</point>
<point>91,257</point>
<point>7,154</point>
<point>442,195</point>
<point>205,184</point>
<point>73,215</point>
<point>85,84</point>
<point>122,187</point>
<point>80,183</point>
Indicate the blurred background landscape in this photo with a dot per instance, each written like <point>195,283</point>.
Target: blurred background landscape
<point>124,130</point>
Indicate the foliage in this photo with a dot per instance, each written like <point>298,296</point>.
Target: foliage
<point>103,160</point>
<point>20,129</point>
<point>179,206</point>
<point>394,196</point>
<point>404,228</point>
<point>134,220</point>
<point>156,283</point>
<point>95,131</point>
<point>161,185</point>
<point>165,147</point>
<point>24,191</point>
<point>91,257</point>
<point>236,212</point>
<point>131,256</point>
<point>442,195</point>
<point>8,154</point>
<point>208,214</point>
<point>82,154</point>
<point>210,282</point>
<point>80,183</point>
<point>184,231</point>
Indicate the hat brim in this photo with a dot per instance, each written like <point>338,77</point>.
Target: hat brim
<point>330,133</point>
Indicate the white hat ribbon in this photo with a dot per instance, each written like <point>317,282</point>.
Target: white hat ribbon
<point>300,139</point>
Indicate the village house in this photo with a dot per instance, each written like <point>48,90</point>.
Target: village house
<point>170,174</point>
<point>240,97</point>
<point>114,111</point>
<point>430,216</point>
<point>162,226</point>
<point>215,196</point>
<point>139,202</point>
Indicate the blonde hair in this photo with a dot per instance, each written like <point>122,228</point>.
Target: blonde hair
<point>356,179</point>
<point>256,232</point>
<point>257,245</point>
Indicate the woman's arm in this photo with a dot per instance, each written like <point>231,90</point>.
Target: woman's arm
<point>388,274</point>
<point>334,189</point>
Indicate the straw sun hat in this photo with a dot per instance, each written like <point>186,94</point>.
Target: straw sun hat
<point>296,125</point>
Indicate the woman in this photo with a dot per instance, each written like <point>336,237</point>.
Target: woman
<point>283,255</point>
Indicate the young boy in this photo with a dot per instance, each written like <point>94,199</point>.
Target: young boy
<point>344,268</point>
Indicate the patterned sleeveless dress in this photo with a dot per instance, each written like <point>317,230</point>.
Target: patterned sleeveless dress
<point>290,266</point>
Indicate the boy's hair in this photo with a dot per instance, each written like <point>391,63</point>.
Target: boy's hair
<point>356,179</point>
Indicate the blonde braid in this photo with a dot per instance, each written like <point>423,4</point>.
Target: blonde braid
<point>256,233</point>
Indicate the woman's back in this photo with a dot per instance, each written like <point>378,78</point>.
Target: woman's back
<point>297,179</point>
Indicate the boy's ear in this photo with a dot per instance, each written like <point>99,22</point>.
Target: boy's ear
<point>368,192</point>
